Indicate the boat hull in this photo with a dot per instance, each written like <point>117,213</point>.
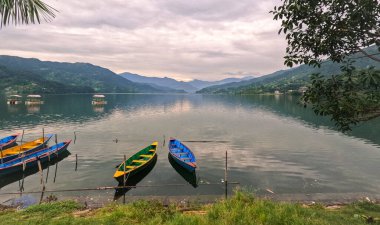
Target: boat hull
<point>26,152</point>
<point>31,160</point>
<point>136,163</point>
<point>8,142</point>
<point>182,155</point>
<point>182,163</point>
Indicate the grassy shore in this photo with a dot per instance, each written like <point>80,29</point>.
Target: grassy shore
<point>242,208</point>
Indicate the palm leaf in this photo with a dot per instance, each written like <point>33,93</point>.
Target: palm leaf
<point>24,12</point>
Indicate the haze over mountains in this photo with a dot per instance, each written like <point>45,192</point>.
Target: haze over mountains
<point>189,86</point>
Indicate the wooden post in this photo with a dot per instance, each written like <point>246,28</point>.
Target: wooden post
<point>56,165</point>
<point>163,143</point>
<point>42,180</point>
<point>124,178</point>
<point>48,169</point>
<point>23,177</point>
<point>225,179</point>
<point>22,137</point>
<point>75,136</point>
<point>76,162</point>
<point>43,137</point>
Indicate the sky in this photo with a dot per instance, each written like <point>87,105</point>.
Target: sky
<point>185,40</point>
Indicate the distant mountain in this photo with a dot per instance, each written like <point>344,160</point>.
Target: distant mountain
<point>190,86</point>
<point>163,82</point>
<point>289,79</point>
<point>42,76</point>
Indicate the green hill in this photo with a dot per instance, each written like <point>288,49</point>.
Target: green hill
<point>23,75</point>
<point>290,79</point>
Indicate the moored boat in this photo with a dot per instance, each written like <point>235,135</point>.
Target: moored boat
<point>136,163</point>
<point>182,155</point>
<point>33,100</point>
<point>14,100</point>
<point>99,100</point>
<point>190,177</point>
<point>8,142</point>
<point>31,160</point>
<point>26,148</point>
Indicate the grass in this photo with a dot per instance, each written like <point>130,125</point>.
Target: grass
<point>242,208</point>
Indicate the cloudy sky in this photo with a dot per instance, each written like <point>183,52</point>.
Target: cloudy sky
<point>202,39</point>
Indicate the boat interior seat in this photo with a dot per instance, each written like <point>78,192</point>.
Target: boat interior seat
<point>130,167</point>
<point>147,156</point>
<point>139,161</point>
<point>152,150</point>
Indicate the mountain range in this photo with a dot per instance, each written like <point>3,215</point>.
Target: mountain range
<point>290,79</point>
<point>187,86</point>
<point>29,75</point>
<point>23,75</point>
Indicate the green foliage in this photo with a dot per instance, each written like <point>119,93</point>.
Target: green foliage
<point>242,208</point>
<point>333,28</point>
<point>316,29</point>
<point>24,12</point>
<point>33,76</point>
<point>348,98</point>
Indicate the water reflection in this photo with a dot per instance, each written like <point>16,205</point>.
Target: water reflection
<point>272,142</point>
<point>191,178</point>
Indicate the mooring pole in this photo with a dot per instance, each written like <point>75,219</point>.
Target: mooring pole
<point>76,162</point>
<point>163,143</point>
<point>47,172</point>
<point>42,180</point>
<point>225,179</point>
<point>75,136</point>
<point>43,137</point>
<point>56,165</point>
<point>124,178</point>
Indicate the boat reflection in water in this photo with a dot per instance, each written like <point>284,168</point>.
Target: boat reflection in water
<point>8,179</point>
<point>190,177</point>
<point>135,179</point>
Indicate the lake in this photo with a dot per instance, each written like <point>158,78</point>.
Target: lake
<point>272,142</point>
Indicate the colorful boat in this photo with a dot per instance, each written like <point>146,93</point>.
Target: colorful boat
<point>182,155</point>
<point>27,148</point>
<point>133,180</point>
<point>31,160</point>
<point>136,163</point>
<point>8,142</point>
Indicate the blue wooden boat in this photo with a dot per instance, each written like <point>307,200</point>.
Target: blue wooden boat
<point>24,149</point>
<point>182,155</point>
<point>31,160</point>
<point>8,142</point>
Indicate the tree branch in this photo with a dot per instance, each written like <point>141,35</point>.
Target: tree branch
<point>369,56</point>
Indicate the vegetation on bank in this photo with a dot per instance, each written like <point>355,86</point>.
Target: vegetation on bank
<point>242,208</point>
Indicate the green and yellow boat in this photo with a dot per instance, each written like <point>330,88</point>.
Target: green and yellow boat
<point>136,163</point>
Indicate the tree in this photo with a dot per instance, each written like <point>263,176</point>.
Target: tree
<point>24,12</point>
<point>317,30</point>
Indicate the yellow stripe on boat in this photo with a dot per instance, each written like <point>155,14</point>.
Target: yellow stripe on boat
<point>21,148</point>
<point>149,153</point>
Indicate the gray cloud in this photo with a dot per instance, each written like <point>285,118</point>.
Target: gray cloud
<point>185,39</point>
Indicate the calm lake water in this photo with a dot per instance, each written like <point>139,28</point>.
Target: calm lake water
<point>272,143</point>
